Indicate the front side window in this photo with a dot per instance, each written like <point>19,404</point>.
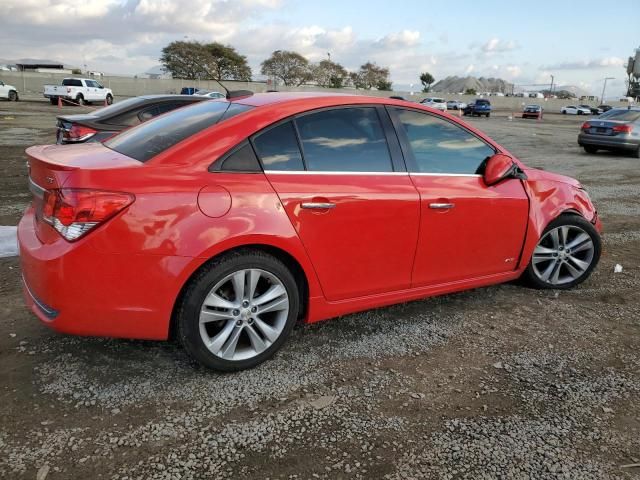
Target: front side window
<point>439,146</point>
<point>278,148</point>
<point>344,140</point>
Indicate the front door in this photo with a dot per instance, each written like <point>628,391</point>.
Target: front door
<point>356,214</point>
<point>467,229</point>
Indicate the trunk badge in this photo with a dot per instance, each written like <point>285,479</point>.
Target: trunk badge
<point>49,179</point>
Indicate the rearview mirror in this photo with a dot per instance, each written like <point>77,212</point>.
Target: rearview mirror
<point>498,167</point>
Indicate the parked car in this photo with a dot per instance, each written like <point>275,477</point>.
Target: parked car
<point>79,90</point>
<point>532,111</point>
<point>593,110</point>
<point>435,102</point>
<point>210,94</point>
<point>189,90</point>
<point>605,108</point>
<point>398,97</point>
<point>104,123</point>
<point>478,108</point>
<point>9,92</point>
<point>227,222</point>
<point>455,105</point>
<point>615,130</point>
<point>573,110</point>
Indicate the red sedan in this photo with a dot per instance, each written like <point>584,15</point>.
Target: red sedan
<point>226,222</point>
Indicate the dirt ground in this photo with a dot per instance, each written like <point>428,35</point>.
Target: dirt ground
<point>500,382</point>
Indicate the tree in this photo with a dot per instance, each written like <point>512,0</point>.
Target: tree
<point>470,91</point>
<point>371,76</point>
<point>329,74</point>
<point>290,67</point>
<point>224,63</point>
<point>427,80</point>
<point>195,60</point>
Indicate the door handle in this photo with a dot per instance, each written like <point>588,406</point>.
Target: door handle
<point>441,206</point>
<point>318,205</point>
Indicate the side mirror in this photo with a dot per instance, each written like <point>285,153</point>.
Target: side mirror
<point>499,167</point>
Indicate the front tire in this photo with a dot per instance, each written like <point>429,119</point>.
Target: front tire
<point>109,99</point>
<point>13,96</point>
<point>488,115</point>
<point>238,311</point>
<point>567,252</point>
<point>54,101</point>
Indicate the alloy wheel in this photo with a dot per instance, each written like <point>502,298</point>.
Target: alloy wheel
<point>244,314</point>
<point>563,255</point>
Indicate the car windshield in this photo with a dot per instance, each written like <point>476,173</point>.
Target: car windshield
<point>624,115</point>
<point>155,136</point>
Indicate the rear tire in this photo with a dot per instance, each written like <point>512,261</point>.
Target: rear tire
<point>109,99</point>
<point>222,295</point>
<point>13,96</point>
<point>80,100</point>
<point>54,101</point>
<point>579,112</point>
<point>590,149</point>
<point>636,153</point>
<point>564,112</point>
<point>488,115</point>
<point>567,261</point>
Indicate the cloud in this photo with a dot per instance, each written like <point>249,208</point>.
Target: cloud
<point>604,62</point>
<point>496,45</point>
<point>404,38</point>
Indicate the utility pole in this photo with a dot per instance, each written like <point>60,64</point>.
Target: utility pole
<point>604,87</point>
<point>329,55</point>
<point>551,87</point>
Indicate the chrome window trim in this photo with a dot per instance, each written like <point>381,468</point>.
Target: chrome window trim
<point>424,174</point>
<point>307,172</point>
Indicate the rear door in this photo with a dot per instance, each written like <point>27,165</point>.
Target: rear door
<point>467,229</point>
<point>340,177</point>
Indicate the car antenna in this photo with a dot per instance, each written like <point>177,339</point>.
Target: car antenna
<point>234,93</point>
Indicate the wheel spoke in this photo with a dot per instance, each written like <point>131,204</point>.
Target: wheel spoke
<point>549,271</point>
<point>281,303</point>
<point>268,331</point>
<point>575,273</point>
<point>555,238</point>
<point>564,235</point>
<point>274,292</point>
<point>254,277</point>
<point>540,250</point>
<point>215,300</point>
<point>581,264</point>
<point>580,239</point>
<point>238,281</point>
<point>586,245</point>
<point>217,342</point>
<point>229,348</point>
<point>207,316</point>
<point>555,276</point>
<point>256,341</point>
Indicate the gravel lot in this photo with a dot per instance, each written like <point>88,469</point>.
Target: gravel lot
<point>501,382</point>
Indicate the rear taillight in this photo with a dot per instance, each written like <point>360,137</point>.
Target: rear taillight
<point>74,212</point>
<point>623,128</point>
<point>586,126</point>
<point>79,133</point>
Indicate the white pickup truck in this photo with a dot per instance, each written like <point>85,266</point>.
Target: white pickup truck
<point>78,90</point>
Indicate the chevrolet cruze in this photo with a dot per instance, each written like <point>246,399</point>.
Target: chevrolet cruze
<point>226,222</point>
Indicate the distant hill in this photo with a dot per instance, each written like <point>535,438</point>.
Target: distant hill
<point>455,84</point>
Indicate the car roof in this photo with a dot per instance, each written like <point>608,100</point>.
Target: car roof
<point>260,99</point>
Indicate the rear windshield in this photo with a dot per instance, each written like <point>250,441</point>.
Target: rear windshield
<point>622,114</point>
<point>153,137</point>
<point>72,82</point>
<point>482,102</point>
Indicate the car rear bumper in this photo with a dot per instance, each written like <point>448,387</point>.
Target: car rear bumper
<point>73,288</point>
<point>605,141</point>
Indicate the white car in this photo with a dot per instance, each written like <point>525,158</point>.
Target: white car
<point>210,94</point>
<point>9,92</point>
<point>79,90</point>
<point>573,110</point>
<point>434,102</point>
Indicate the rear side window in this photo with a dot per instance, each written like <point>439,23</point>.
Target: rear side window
<point>438,146</point>
<point>344,140</point>
<point>278,148</point>
<point>151,138</point>
<point>72,82</point>
<point>241,159</point>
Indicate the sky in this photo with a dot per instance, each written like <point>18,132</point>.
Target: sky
<point>579,42</point>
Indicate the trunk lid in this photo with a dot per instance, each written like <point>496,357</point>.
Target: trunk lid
<point>604,127</point>
<point>50,167</point>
